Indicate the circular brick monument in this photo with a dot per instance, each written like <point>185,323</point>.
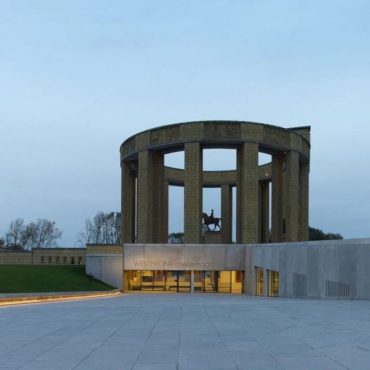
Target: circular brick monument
<point>145,181</point>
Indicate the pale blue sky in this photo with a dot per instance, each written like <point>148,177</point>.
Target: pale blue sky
<point>79,77</point>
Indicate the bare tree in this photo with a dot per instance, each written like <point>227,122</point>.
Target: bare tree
<point>13,237</point>
<point>86,236</point>
<point>40,234</point>
<point>104,228</point>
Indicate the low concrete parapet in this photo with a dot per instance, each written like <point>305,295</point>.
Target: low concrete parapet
<point>15,258</point>
<point>44,256</point>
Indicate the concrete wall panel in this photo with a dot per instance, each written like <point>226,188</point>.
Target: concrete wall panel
<point>107,268</point>
<point>319,269</point>
<point>336,269</point>
<point>184,257</point>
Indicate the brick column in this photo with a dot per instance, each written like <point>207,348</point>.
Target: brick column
<point>158,200</point>
<point>152,203</point>
<point>292,196</point>
<point>226,213</point>
<point>144,196</point>
<point>264,209</point>
<point>239,193</point>
<point>193,193</point>
<point>127,204</point>
<point>277,198</point>
<point>304,201</point>
<point>247,193</point>
<point>164,215</point>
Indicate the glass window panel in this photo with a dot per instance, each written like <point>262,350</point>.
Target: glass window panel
<point>273,283</point>
<point>132,280</point>
<point>183,281</point>
<point>180,281</point>
<point>198,281</point>
<point>259,281</point>
<point>171,281</point>
<point>237,282</point>
<point>147,280</point>
<point>210,281</point>
<point>224,282</point>
<point>158,280</point>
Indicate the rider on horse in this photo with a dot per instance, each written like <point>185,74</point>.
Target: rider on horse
<point>211,220</point>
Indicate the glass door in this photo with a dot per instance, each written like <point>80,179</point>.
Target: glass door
<point>147,280</point>
<point>210,281</point>
<point>183,281</point>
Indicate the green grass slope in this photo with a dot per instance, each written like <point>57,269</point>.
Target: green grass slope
<point>35,278</point>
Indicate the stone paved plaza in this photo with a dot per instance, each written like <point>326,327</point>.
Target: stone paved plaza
<point>184,331</point>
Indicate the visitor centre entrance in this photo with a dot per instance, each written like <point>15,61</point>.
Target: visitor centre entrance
<point>185,281</point>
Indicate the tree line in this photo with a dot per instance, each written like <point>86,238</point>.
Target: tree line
<point>318,234</point>
<point>103,228</point>
<point>36,234</point>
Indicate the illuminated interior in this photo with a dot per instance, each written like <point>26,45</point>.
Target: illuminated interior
<point>259,281</point>
<point>181,281</point>
<point>273,277</point>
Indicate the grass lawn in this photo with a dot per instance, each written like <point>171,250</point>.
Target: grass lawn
<point>35,278</point>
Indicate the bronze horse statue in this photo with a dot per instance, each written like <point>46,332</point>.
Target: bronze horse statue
<point>211,220</point>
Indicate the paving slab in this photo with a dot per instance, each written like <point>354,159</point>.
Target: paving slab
<point>186,331</point>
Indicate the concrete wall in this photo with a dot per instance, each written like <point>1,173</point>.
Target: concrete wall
<point>107,268</point>
<point>318,269</point>
<point>105,263</point>
<point>184,257</point>
<point>58,256</point>
<point>15,258</point>
<point>49,256</point>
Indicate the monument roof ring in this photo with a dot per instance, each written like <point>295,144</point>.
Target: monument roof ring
<point>219,134</point>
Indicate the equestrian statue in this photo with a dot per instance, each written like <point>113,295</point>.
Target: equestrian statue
<point>211,220</point>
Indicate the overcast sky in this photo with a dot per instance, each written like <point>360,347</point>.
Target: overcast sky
<point>79,77</point>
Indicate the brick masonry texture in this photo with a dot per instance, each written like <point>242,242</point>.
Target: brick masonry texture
<point>288,176</point>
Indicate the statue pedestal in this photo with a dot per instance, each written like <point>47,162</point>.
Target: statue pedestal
<point>212,237</point>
